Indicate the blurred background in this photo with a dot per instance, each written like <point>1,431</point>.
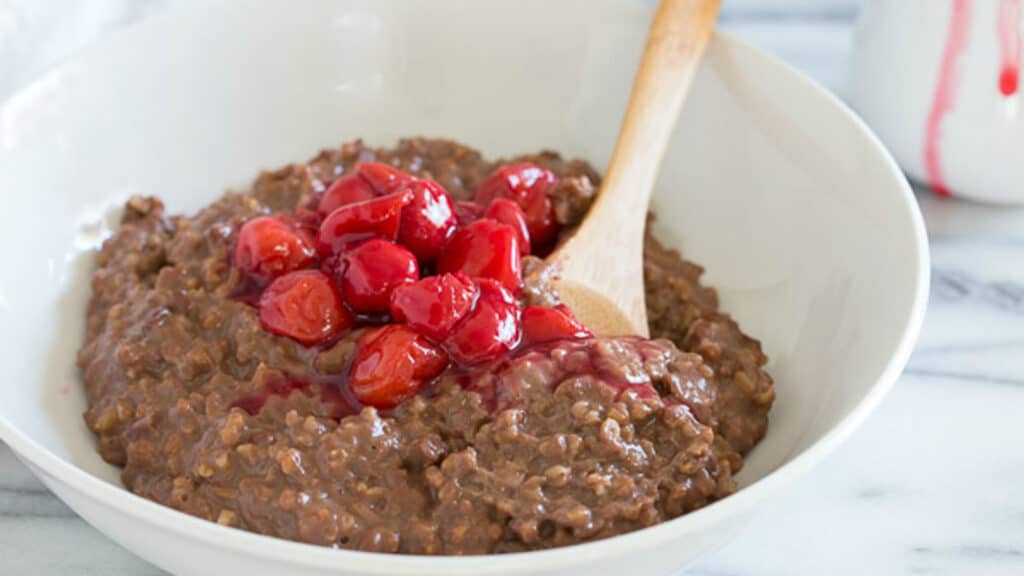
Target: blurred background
<point>37,34</point>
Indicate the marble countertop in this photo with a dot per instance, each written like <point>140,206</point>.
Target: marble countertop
<point>931,484</point>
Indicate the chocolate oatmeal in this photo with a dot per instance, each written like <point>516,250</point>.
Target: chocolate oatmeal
<point>348,355</point>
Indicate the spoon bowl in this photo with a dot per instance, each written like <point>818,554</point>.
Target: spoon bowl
<point>601,266</point>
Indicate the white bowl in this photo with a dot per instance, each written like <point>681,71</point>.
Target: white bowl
<point>803,220</point>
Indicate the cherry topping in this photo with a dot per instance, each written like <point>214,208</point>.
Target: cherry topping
<point>528,185</point>
<point>428,220</point>
<point>540,220</point>
<point>369,180</point>
<point>508,212</point>
<point>377,217</point>
<point>484,249</point>
<point>490,329</point>
<point>391,364</point>
<point>466,212</point>
<point>349,189</point>
<point>305,307</point>
<point>542,324</point>
<point>269,247</point>
<point>371,270</point>
<point>384,178</point>
<point>434,305</point>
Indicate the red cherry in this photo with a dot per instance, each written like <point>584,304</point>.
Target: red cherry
<point>491,328</point>
<point>349,189</point>
<point>391,364</point>
<point>516,181</point>
<point>371,270</point>
<point>467,212</point>
<point>540,220</point>
<point>541,324</point>
<point>369,180</point>
<point>378,217</point>
<point>427,221</point>
<point>384,178</point>
<point>484,249</point>
<point>508,212</point>
<point>434,305</point>
<point>305,307</point>
<point>269,247</point>
<point>528,185</point>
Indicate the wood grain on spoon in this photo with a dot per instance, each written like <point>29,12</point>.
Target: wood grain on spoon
<point>601,265</point>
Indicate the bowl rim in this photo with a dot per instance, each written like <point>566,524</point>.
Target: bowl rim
<point>312,556</point>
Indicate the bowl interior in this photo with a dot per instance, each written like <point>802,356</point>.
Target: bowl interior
<point>802,223</point>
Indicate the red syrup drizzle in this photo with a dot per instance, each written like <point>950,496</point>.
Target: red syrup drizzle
<point>1009,46</point>
<point>945,93</point>
<point>485,379</point>
<point>249,291</point>
<point>281,389</point>
<point>333,391</point>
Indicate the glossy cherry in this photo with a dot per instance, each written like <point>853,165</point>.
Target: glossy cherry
<point>367,181</point>
<point>349,189</point>
<point>542,324</point>
<point>384,178</point>
<point>428,220</point>
<point>434,305</point>
<point>378,217</point>
<point>372,270</point>
<point>269,247</point>
<point>529,185</point>
<point>391,364</point>
<point>484,249</point>
<point>490,329</point>
<point>508,212</point>
<point>305,307</point>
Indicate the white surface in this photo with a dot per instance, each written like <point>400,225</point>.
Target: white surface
<point>894,76</point>
<point>929,485</point>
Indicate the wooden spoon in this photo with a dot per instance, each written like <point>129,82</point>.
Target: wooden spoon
<point>599,270</point>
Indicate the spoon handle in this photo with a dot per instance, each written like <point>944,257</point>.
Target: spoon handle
<point>601,265</point>
<point>678,37</point>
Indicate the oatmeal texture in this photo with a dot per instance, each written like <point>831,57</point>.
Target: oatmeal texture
<point>558,444</point>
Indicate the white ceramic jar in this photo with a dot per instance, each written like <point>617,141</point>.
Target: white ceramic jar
<point>938,80</point>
